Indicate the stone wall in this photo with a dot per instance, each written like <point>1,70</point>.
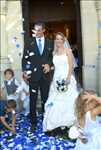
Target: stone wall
<point>98,10</point>
<point>90,40</point>
<point>11,36</point>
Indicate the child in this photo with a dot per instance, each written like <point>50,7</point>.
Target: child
<point>8,115</point>
<point>11,85</point>
<point>86,113</point>
<point>24,90</point>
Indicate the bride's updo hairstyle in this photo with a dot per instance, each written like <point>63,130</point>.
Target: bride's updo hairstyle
<point>63,38</point>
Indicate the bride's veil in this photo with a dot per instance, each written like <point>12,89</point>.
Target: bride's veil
<point>66,44</point>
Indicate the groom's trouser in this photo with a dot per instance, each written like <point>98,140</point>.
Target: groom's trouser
<point>43,85</point>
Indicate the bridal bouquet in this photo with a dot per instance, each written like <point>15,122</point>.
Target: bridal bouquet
<point>62,85</point>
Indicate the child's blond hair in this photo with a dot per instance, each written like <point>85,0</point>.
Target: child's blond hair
<point>80,105</point>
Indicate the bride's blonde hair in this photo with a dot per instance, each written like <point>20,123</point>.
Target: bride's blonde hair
<point>63,38</point>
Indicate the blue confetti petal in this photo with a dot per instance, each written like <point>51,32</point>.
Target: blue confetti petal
<point>25,139</point>
<point>17,45</point>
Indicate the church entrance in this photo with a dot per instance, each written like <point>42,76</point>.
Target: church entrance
<point>59,16</point>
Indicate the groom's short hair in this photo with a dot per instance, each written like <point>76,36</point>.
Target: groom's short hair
<point>40,23</point>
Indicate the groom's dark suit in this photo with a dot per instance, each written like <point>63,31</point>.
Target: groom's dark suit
<point>32,61</point>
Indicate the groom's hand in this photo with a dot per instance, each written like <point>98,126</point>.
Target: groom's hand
<point>46,68</point>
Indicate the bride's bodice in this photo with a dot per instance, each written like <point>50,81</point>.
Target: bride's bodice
<point>61,66</point>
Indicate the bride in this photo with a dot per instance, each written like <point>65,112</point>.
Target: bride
<point>59,107</point>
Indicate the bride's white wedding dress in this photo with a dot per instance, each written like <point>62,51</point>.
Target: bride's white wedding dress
<point>59,107</point>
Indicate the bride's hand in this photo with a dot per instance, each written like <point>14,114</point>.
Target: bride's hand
<point>67,81</point>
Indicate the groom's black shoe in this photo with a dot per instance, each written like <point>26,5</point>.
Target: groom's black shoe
<point>33,127</point>
<point>50,133</point>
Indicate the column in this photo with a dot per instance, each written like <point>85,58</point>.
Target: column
<point>15,35</point>
<point>89,43</point>
<point>4,62</point>
<point>98,9</point>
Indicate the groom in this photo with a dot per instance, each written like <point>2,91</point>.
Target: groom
<point>37,63</point>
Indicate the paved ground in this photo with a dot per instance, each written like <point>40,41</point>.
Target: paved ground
<point>27,140</point>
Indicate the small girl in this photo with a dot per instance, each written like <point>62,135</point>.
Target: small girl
<point>10,84</point>
<point>24,90</point>
<point>87,112</point>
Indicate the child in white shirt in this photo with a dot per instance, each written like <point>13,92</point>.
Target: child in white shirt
<point>24,91</point>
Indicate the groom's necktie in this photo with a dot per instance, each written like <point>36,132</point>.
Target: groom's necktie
<point>40,46</point>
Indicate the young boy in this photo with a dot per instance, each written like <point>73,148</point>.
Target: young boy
<point>10,84</point>
<point>8,115</point>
